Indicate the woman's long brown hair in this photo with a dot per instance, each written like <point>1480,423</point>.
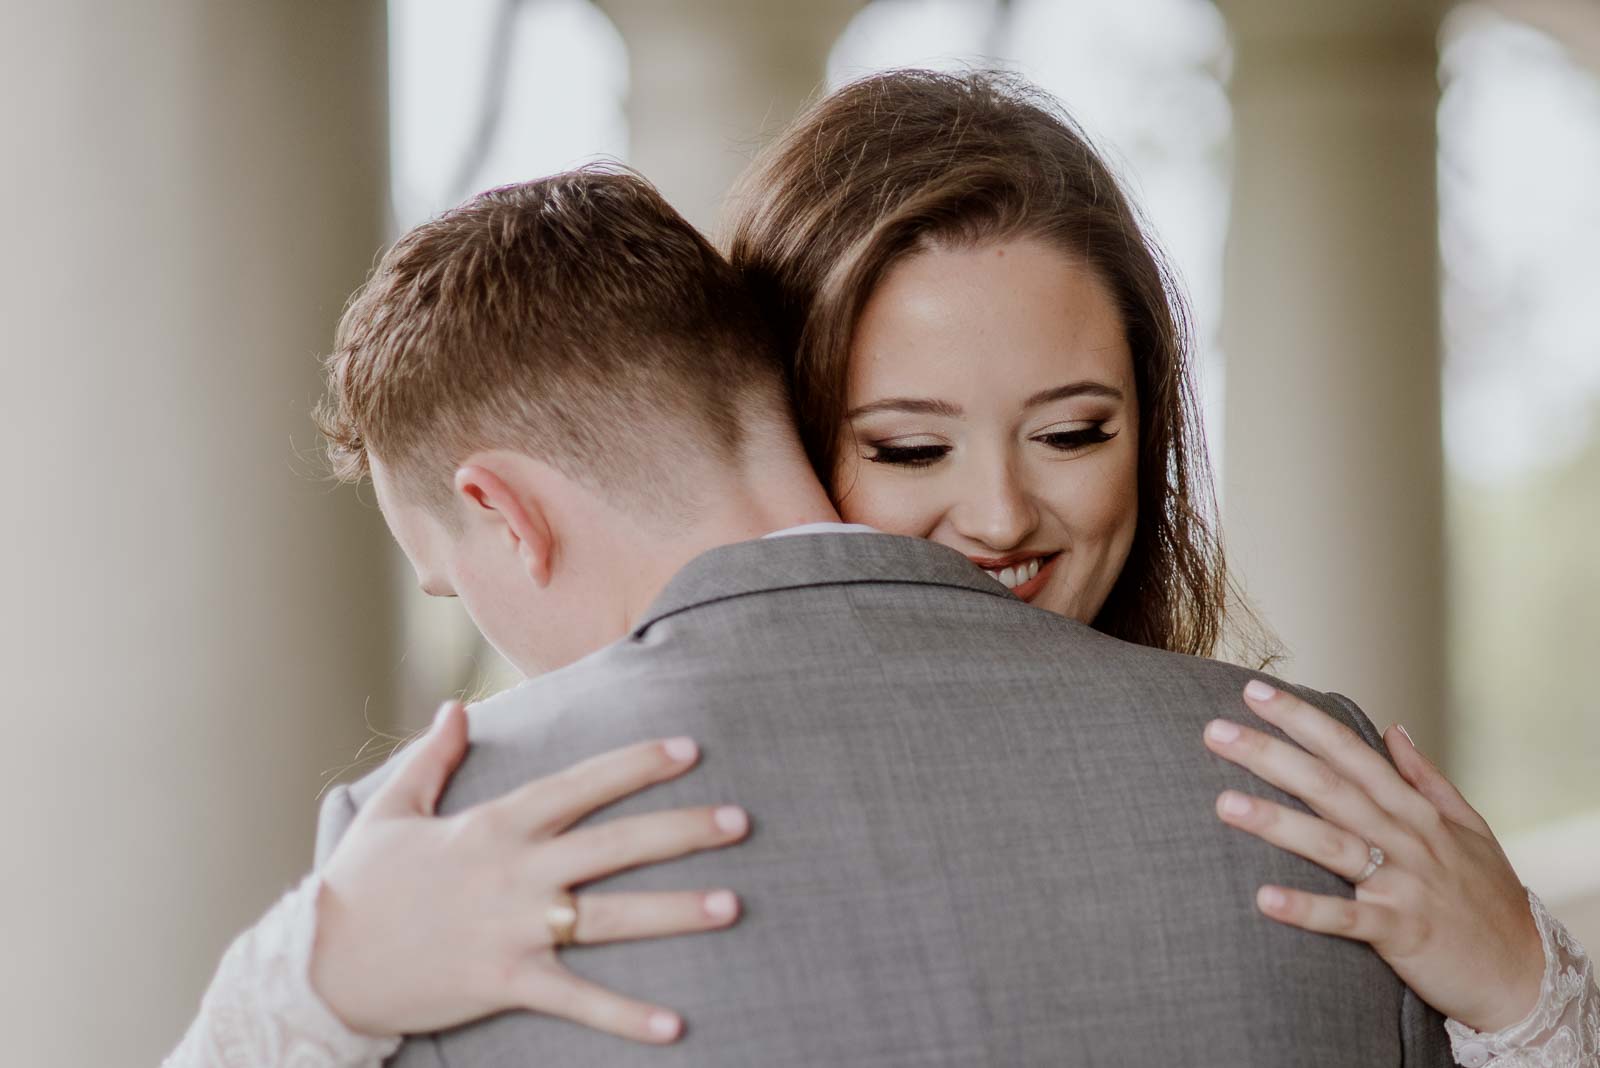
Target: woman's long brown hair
<point>909,160</point>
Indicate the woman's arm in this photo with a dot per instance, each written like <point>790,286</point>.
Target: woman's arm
<point>260,1010</point>
<point>1440,902</point>
<point>1562,1031</point>
<point>416,923</point>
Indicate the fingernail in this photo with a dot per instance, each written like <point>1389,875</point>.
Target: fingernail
<point>663,1025</point>
<point>1257,690</point>
<point>679,749</point>
<point>1271,897</point>
<point>721,904</point>
<point>438,717</point>
<point>1401,727</point>
<point>731,818</point>
<point>1220,730</point>
<point>1235,804</point>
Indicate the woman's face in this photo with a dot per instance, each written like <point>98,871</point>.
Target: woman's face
<point>992,409</point>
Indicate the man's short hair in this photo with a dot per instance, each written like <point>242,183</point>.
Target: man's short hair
<point>578,319</point>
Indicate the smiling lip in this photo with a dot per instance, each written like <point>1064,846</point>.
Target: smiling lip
<point>1027,591</point>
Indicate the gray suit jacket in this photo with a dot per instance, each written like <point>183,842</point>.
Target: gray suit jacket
<point>982,835</point>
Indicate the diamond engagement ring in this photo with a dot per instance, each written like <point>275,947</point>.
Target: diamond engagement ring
<point>1374,862</point>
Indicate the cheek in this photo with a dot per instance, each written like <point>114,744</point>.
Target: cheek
<point>1122,507</point>
<point>1097,507</point>
<point>1096,499</point>
<point>1119,511</point>
<point>879,497</point>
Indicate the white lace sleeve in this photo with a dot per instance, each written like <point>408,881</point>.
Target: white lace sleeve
<point>261,1011</point>
<point>1562,1031</point>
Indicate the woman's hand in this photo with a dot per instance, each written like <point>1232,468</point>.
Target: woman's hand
<point>1445,909</point>
<point>425,922</point>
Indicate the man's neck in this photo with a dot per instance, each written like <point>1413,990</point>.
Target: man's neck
<point>775,498</point>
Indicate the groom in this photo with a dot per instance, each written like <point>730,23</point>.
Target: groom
<point>984,834</point>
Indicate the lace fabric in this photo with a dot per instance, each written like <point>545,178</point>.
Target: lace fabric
<point>1562,1031</point>
<point>261,1010</point>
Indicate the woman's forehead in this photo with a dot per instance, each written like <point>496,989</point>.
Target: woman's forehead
<point>1016,316</point>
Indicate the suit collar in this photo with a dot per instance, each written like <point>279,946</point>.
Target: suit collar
<point>771,564</point>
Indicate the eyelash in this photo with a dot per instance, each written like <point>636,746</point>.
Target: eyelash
<point>927,455</point>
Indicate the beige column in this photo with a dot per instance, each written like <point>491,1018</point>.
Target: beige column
<point>711,79</point>
<point>1333,467</point>
<point>192,191</point>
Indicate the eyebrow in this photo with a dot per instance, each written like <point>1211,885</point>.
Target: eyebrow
<point>928,406</point>
<point>1073,389</point>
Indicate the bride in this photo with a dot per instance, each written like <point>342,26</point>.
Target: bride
<point>918,240</point>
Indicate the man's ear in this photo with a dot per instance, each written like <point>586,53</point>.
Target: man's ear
<point>515,509</point>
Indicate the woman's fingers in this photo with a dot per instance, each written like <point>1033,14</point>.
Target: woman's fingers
<point>590,852</point>
<point>1294,771</point>
<point>1318,841</point>
<point>1431,783</point>
<point>620,917</point>
<point>1344,750</point>
<point>420,778</point>
<point>550,805</point>
<point>550,988</point>
<point>1364,921</point>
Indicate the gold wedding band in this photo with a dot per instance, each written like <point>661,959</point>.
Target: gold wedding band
<point>562,918</point>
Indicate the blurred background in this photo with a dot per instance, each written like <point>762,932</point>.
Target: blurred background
<point>1384,213</point>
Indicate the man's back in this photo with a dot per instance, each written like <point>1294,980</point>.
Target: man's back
<point>982,834</point>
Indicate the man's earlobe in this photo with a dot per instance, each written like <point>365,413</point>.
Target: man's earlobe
<point>519,514</point>
<point>537,543</point>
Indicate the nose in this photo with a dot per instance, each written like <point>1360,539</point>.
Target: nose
<point>996,509</point>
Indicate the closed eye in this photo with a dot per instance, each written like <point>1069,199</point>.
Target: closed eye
<point>1074,440</point>
<point>908,455</point>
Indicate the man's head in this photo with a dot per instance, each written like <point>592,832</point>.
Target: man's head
<point>541,383</point>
